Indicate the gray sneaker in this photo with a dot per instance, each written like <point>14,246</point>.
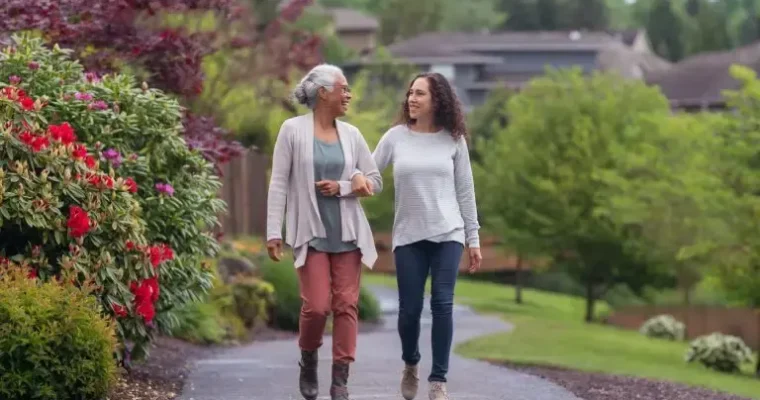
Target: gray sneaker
<point>438,391</point>
<point>409,382</point>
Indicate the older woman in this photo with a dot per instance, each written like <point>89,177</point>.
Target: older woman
<point>314,157</point>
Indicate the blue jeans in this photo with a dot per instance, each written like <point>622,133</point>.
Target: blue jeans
<point>413,264</point>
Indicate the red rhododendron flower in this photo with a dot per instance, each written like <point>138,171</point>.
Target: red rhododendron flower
<point>119,310</point>
<point>168,253</point>
<point>26,137</point>
<point>27,103</point>
<point>156,255</point>
<point>79,152</point>
<point>146,310</point>
<point>130,245</point>
<point>89,161</point>
<point>39,143</point>
<point>63,133</point>
<point>131,185</point>
<point>94,179</point>
<point>79,221</point>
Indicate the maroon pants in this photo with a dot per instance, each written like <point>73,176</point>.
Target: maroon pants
<point>330,282</point>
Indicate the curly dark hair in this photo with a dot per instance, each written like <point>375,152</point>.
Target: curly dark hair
<point>447,109</point>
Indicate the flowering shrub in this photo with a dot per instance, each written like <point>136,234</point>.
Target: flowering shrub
<point>663,327</point>
<point>55,343</point>
<point>134,133</point>
<point>725,353</point>
<point>64,218</point>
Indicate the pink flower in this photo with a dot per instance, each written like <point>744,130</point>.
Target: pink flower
<point>91,77</point>
<point>15,79</point>
<point>98,105</point>
<point>33,65</point>
<point>83,96</point>
<point>165,188</point>
<point>114,156</point>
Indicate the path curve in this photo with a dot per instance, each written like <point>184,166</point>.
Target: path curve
<point>269,370</point>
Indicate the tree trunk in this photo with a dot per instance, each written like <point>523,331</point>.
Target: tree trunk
<point>518,281</point>
<point>590,300</point>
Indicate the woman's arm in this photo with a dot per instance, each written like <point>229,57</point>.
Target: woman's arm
<point>382,157</point>
<point>279,182</point>
<point>365,165</point>
<point>465,188</point>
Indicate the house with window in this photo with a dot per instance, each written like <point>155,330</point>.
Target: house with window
<point>476,63</point>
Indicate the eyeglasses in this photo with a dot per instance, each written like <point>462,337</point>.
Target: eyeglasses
<point>345,88</point>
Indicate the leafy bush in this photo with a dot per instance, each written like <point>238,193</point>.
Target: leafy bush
<point>54,343</point>
<point>136,133</point>
<point>253,299</point>
<point>663,327</point>
<point>725,353</point>
<point>64,217</point>
<point>369,307</point>
<point>287,298</point>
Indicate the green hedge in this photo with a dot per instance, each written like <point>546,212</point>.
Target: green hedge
<point>54,342</point>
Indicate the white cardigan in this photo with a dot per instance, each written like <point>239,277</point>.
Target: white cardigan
<point>292,190</point>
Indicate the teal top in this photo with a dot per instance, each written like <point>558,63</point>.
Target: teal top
<point>328,165</point>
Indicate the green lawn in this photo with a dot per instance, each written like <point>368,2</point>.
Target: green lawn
<point>549,330</point>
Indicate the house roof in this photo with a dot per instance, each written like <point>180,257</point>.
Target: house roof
<point>464,43</point>
<point>347,19</point>
<point>701,79</point>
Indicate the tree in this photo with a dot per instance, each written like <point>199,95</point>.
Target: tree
<point>739,267</point>
<point>590,15</point>
<point>498,172</point>
<point>401,19</point>
<point>488,120</point>
<point>665,30</point>
<point>562,131</point>
<point>665,188</point>
<point>522,15</point>
<point>112,35</point>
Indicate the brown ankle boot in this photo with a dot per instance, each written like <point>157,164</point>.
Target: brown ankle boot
<point>307,381</point>
<point>339,387</point>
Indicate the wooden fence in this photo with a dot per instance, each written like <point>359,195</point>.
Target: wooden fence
<point>699,320</point>
<point>244,188</point>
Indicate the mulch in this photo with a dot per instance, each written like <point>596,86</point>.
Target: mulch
<point>599,386</point>
<point>162,375</point>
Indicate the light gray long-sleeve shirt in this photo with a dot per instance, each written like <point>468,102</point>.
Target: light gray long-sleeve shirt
<point>292,189</point>
<point>434,188</point>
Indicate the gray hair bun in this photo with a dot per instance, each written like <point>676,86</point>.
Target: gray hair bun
<point>323,75</point>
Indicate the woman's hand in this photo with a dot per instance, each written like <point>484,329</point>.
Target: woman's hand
<point>475,259</point>
<point>328,188</point>
<point>274,248</point>
<point>360,186</point>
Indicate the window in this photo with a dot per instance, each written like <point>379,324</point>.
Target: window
<point>446,70</point>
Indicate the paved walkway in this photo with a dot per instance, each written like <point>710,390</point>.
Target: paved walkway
<point>269,370</point>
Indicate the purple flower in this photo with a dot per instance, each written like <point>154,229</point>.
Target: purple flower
<point>14,79</point>
<point>165,188</point>
<point>83,96</point>
<point>33,65</point>
<point>114,156</point>
<point>98,105</point>
<point>91,77</point>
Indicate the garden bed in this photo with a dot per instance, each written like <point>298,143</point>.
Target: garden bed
<point>161,376</point>
<point>598,386</point>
